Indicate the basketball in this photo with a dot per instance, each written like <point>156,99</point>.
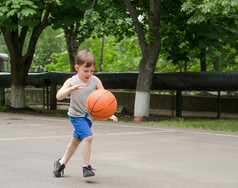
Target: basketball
<point>101,104</point>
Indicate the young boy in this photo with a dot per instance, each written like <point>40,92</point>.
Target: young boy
<point>80,86</point>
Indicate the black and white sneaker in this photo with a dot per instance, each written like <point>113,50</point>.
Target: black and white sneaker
<point>88,171</point>
<point>58,169</point>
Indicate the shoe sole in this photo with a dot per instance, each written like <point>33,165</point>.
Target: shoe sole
<point>57,174</point>
<point>89,174</point>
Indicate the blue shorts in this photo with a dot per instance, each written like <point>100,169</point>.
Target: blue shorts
<point>82,127</point>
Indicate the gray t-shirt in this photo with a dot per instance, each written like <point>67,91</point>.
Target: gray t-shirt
<point>78,98</point>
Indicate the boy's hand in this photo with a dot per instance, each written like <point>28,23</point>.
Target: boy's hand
<point>76,87</point>
<point>114,118</point>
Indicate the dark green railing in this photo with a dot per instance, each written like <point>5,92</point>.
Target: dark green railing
<point>200,81</point>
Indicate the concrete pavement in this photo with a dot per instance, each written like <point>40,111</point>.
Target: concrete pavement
<point>124,155</point>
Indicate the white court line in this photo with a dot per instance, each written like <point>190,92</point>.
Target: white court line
<point>209,134</point>
<point>97,123</point>
<point>65,136</point>
<point>130,126</point>
<point>111,134</point>
<point>133,133</point>
<point>34,137</point>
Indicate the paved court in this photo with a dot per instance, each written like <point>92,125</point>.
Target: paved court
<point>124,155</point>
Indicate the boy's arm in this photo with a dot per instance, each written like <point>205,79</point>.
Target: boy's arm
<point>66,89</point>
<point>99,84</point>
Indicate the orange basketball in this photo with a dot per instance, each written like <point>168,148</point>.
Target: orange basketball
<point>101,104</point>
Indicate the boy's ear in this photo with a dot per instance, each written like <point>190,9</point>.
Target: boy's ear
<point>76,67</point>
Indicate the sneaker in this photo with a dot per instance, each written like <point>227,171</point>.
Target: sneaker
<point>58,169</point>
<point>88,171</point>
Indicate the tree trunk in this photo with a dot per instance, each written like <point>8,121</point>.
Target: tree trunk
<point>180,67</point>
<point>17,96</point>
<point>150,53</point>
<point>19,72</point>
<point>72,48</point>
<point>144,80</point>
<point>215,63</point>
<point>18,79</point>
<point>20,65</point>
<point>185,66</point>
<point>203,63</point>
<point>102,54</point>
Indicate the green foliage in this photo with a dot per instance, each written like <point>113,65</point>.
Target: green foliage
<point>3,47</point>
<point>50,41</point>
<point>90,26</point>
<point>120,56</point>
<point>208,25</point>
<point>177,37</point>
<point>123,56</point>
<point>199,26</point>
<point>110,18</point>
<point>62,64</point>
<point>92,19</point>
<point>69,13</point>
<point>205,10</point>
<point>25,11</point>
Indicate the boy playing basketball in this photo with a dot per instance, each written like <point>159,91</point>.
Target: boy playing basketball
<point>80,86</point>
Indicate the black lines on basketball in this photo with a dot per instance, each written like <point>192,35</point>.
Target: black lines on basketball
<point>101,104</point>
<point>98,100</point>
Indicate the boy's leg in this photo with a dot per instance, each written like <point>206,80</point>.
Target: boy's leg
<point>59,165</point>
<point>86,149</point>
<point>71,148</point>
<point>86,153</point>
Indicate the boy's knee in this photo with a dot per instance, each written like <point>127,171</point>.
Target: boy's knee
<point>74,142</point>
<point>88,139</point>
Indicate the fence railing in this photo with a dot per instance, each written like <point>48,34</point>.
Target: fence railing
<point>178,81</point>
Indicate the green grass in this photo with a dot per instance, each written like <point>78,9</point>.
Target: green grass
<point>230,125</point>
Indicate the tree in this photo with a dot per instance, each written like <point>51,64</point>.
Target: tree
<point>202,30</point>
<point>97,18</point>
<point>70,23</point>
<point>146,19</point>
<point>18,19</point>
<point>216,23</point>
<point>176,40</point>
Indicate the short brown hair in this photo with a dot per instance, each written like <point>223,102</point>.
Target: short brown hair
<point>85,57</point>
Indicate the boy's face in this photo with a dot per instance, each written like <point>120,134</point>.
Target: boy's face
<point>84,72</point>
